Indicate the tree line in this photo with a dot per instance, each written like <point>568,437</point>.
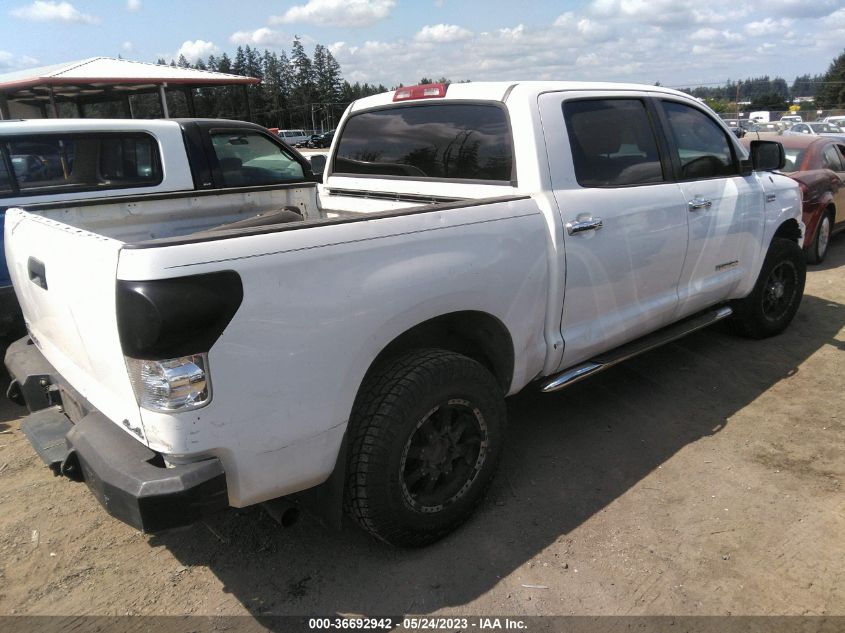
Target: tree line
<point>302,91</point>
<point>296,90</point>
<point>827,90</point>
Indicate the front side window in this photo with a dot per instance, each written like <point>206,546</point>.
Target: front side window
<point>445,141</point>
<point>701,146</point>
<point>248,158</point>
<point>612,142</point>
<point>50,164</point>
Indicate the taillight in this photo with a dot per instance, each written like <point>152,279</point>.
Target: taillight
<point>175,384</point>
<point>423,91</point>
<point>166,328</point>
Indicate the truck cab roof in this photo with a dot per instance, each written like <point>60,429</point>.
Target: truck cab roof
<point>502,90</point>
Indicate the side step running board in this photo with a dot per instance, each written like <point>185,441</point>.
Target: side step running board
<point>634,348</point>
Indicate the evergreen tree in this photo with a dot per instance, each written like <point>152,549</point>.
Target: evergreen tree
<point>831,94</point>
<point>303,85</point>
<point>239,65</point>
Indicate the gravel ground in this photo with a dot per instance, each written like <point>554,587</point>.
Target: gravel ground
<point>704,477</point>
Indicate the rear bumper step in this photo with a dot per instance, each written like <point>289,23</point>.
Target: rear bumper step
<point>634,348</point>
<point>127,478</point>
<point>46,430</point>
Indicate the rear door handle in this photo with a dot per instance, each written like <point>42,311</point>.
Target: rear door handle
<point>699,203</point>
<point>589,224</point>
<point>37,272</point>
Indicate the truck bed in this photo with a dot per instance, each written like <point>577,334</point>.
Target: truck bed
<point>132,219</point>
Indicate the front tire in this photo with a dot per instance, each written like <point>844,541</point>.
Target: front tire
<point>426,433</point>
<point>777,294</point>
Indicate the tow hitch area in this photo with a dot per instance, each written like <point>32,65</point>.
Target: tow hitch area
<point>46,430</point>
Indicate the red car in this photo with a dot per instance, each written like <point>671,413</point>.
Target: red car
<point>818,164</point>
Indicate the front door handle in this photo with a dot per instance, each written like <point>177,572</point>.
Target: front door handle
<point>588,224</point>
<point>699,203</point>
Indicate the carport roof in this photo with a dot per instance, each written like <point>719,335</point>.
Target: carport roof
<point>102,72</point>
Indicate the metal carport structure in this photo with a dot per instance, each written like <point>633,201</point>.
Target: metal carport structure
<point>25,93</point>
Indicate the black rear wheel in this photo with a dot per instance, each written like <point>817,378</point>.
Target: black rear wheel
<point>426,434</point>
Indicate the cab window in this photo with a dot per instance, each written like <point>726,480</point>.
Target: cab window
<point>50,164</point>
<point>700,145</point>
<point>612,142</point>
<point>248,158</point>
<point>5,178</point>
<point>444,141</point>
<point>830,159</point>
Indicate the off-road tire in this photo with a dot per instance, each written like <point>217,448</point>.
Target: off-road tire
<point>763,313</point>
<point>399,404</point>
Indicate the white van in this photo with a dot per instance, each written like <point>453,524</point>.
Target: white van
<point>292,137</point>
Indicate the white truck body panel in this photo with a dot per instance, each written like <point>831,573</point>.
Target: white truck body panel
<point>322,300</point>
<point>73,321</point>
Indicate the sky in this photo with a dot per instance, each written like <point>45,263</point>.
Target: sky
<point>680,43</point>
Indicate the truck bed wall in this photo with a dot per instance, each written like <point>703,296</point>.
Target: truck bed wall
<point>141,218</point>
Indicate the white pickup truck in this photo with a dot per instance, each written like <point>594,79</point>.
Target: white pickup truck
<point>469,240</point>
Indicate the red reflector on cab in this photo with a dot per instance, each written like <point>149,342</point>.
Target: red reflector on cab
<point>424,91</point>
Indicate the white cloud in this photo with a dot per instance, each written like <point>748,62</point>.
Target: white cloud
<point>127,47</point>
<point>589,59</point>
<point>626,40</point>
<point>513,34</point>
<point>593,30</point>
<point>767,27</point>
<point>803,8</point>
<point>346,13</point>
<point>133,5</point>
<point>441,33</point>
<point>567,19</point>
<point>194,50</point>
<point>263,37</point>
<point>8,61</point>
<point>48,11</point>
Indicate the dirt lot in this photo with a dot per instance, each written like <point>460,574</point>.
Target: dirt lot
<point>702,478</point>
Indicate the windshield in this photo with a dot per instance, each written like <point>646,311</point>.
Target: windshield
<point>793,159</point>
<point>443,141</point>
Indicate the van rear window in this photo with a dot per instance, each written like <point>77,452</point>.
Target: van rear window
<point>438,141</point>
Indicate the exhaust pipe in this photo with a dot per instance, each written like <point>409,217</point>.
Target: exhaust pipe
<point>284,511</point>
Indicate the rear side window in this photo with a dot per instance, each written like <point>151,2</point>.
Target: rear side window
<point>249,158</point>
<point>702,147</point>
<point>52,164</point>
<point>5,178</point>
<point>444,142</point>
<point>830,159</point>
<point>612,142</point>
